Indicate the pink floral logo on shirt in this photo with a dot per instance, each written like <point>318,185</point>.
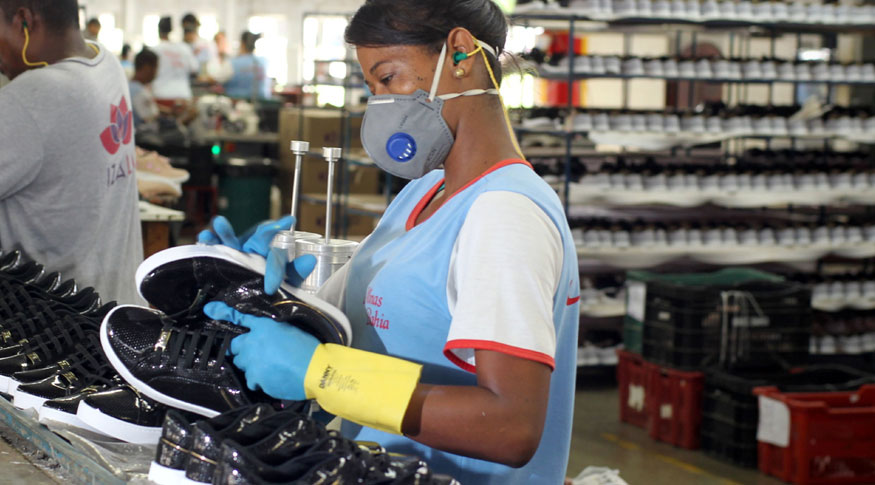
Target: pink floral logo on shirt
<point>121,127</point>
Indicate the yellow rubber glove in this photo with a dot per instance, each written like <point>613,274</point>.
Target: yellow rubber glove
<point>369,389</point>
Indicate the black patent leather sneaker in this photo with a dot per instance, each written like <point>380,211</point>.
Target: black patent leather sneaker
<point>206,446</point>
<point>123,413</point>
<point>89,370</point>
<point>82,352</point>
<point>183,279</point>
<point>63,410</point>
<point>10,260</point>
<point>48,347</point>
<point>26,272</point>
<point>286,443</point>
<point>172,453</point>
<point>333,459</point>
<point>185,367</point>
<point>17,298</point>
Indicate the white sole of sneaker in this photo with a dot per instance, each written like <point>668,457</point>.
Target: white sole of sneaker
<point>116,428</point>
<point>5,385</point>
<point>12,386</point>
<point>252,262</point>
<point>23,400</point>
<point>47,414</point>
<point>165,476</point>
<point>125,373</point>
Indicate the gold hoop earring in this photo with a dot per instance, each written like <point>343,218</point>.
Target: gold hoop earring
<point>460,73</point>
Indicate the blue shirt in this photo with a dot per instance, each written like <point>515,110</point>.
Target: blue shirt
<point>250,77</point>
<point>397,304</point>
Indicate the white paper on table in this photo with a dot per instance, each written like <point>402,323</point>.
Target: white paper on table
<point>774,425</point>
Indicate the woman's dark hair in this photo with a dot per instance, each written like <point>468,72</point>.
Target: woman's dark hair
<point>380,23</point>
<point>126,50</point>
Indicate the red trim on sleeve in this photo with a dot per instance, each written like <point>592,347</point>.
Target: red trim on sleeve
<point>496,347</point>
<point>411,221</point>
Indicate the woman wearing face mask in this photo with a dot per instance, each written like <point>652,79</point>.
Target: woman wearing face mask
<point>464,299</point>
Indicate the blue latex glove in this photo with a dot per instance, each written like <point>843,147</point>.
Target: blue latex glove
<point>273,355</point>
<point>257,241</point>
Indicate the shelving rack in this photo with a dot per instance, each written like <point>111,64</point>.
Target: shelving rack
<point>740,34</point>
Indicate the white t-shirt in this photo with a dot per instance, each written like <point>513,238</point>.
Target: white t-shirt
<point>68,190</point>
<point>176,64</point>
<point>499,226</point>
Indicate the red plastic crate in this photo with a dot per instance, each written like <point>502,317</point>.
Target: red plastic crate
<point>632,381</point>
<point>674,405</point>
<point>831,438</point>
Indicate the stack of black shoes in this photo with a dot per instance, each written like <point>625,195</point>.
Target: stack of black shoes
<point>261,445</point>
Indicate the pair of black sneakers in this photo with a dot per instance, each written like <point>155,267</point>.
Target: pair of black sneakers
<point>259,445</point>
<point>178,356</point>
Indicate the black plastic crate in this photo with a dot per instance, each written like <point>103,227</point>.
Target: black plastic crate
<point>748,325</point>
<point>730,411</point>
<point>739,454</point>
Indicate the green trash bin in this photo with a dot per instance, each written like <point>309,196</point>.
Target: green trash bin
<point>244,190</point>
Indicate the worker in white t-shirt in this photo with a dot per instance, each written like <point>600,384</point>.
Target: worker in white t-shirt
<point>203,49</point>
<point>176,65</point>
<point>68,190</point>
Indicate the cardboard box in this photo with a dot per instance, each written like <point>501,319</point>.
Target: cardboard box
<point>312,219</point>
<point>322,128</point>
<point>314,180</point>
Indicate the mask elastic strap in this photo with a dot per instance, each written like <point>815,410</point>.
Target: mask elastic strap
<point>437,73</point>
<point>24,52</point>
<point>472,92</point>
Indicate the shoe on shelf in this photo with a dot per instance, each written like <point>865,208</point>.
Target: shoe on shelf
<point>786,71</point>
<point>769,69</point>
<point>687,69</point>
<point>752,70</point>
<point>633,66</point>
<point>710,10</point>
<point>661,9</point>
<point>803,72</point>
<point>744,11</point>
<point>654,68</point>
<point>670,68</point>
<point>727,10</point>
<point>613,65</point>
<point>703,69</point>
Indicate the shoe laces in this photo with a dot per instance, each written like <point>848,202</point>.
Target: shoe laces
<point>89,370</point>
<point>210,343</point>
<point>25,325</point>
<point>57,340</point>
